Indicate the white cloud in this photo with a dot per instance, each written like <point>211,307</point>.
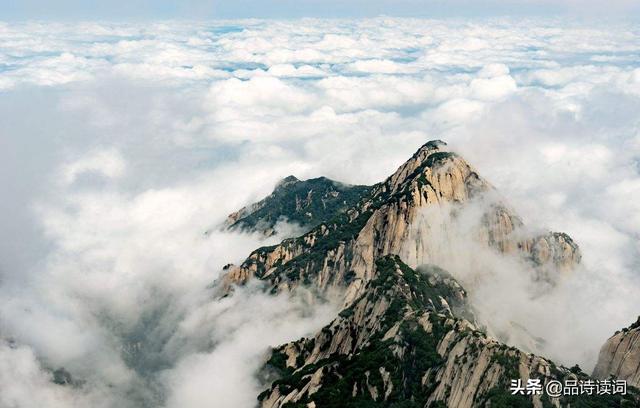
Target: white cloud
<point>25,384</point>
<point>260,95</point>
<point>242,328</point>
<point>379,67</point>
<point>493,88</point>
<point>108,163</point>
<point>133,140</point>
<point>493,70</point>
<point>288,70</point>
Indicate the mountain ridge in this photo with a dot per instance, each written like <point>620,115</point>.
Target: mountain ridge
<point>402,344</point>
<point>305,203</point>
<point>352,251</point>
<point>379,224</point>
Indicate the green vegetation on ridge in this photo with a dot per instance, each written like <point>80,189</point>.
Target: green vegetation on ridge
<point>307,203</point>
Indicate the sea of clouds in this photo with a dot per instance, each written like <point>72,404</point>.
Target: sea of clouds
<point>123,146</point>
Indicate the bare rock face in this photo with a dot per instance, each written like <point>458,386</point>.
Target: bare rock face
<point>406,335</point>
<point>405,341</point>
<point>388,219</point>
<point>554,248</point>
<point>620,356</point>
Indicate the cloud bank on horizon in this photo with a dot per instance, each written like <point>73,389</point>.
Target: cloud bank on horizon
<point>121,144</point>
<point>150,9</point>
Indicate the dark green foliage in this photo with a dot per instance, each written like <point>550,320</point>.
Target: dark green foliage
<point>336,212</point>
<point>601,401</point>
<point>576,369</point>
<point>342,373</point>
<point>346,312</point>
<point>278,361</point>
<point>294,405</point>
<point>263,395</point>
<point>349,276</point>
<point>546,401</point>
<point>421,348</point>
<point>434,144</point>
<point>62,377</point>
<point>341,229</point>
<point>307,203</point>
<point>555,372</point>
<point>425,295</point>
<point>438,157</point>
<point>634,325</point>
<point>500,397</point>
<point>508,362</point>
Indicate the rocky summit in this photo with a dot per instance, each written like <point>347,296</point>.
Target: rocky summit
<point>407,335</point>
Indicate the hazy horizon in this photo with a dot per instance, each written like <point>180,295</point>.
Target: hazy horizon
<point>123,143</point>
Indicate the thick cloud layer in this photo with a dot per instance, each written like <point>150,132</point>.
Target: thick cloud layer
<point>203,9</point>
<point>123,146</point>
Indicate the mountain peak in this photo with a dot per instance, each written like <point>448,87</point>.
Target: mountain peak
<point>305,203</point>
<point>436,168</point>
<point>351,226</point>
<point>407,331</point>
<point>436,144</point>
<point>417,163</point>
<point>287,181</point>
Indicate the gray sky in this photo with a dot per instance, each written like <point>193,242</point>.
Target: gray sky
<point>165,9</point>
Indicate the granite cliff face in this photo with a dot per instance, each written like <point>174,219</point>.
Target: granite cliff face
<point>386,219</point>
<point>620,356</point>
<point>403,342</point>
<point>406,336</point>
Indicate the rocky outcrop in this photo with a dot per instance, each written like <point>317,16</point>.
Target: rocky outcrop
<point>406,335</point>
<point>404,341</point>
<point>554,249</point>
<point>620,356</point>
<point>390,219</point>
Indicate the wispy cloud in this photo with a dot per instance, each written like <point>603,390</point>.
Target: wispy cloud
<point>123,143</point>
